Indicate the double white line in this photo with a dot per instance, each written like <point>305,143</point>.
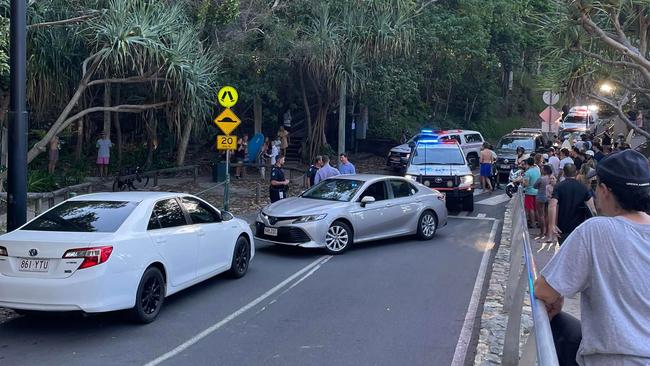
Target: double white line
<point>304,272</point>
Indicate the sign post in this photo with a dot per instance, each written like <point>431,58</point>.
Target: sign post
<point>227,121</point>
<point>550,98</point>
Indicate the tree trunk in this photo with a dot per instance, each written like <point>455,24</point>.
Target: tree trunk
<point>107,115</point>
<point>118,130</point>
<point>185,140</point>
<point>447,101</point>
<point>342,111</point>
<point>78,149</point>
<point>305,101</point>
<point>471,111</point>
<point>152,141</point>
<point>257,113</point>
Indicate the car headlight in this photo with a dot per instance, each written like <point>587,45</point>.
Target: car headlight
<point>466,180</point>
<point>309,218</point>
<point>407,156</point>
<point>408,176</point>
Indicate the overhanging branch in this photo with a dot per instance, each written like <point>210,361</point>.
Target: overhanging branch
<point>618,107</point>
<point>74,20</point>
<point>124,108</point>
<point>129,80</point>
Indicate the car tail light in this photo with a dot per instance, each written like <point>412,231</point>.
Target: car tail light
<point>91,256</point>
<point>3,252</point>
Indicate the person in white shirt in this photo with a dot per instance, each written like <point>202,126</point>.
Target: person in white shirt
<point>275,151</point>
<point>565,158</point>
<point>554,161</point>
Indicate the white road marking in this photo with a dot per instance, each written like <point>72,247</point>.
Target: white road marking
<point>478,191</point>
<point>472,218</point>
<point>481,215</point>
<point>494,201</point>
<point>468,325</point>
<point>190,342</point>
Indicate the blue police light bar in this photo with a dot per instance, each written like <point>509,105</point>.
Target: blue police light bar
<point>429,141</point>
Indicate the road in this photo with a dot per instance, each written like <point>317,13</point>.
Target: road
<point>393,302</point>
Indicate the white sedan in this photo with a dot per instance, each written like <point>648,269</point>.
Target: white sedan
<point>113,251</point>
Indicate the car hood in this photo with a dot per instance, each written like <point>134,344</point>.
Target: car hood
<point>436,169</point>
<point>298,206</point>
<point>506,154</point>
<point>403,148</point>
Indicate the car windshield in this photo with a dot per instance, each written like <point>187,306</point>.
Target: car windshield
<point>84,217</point>
<point>334,190</point>
<point>511,143</point>
<point>435,154</point>
<point>575,119</point>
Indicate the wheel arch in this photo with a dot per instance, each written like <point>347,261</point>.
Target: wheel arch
<point>347,222</point>
<point>160,267</point>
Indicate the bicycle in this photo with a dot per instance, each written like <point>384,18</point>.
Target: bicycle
<point>130,179</point>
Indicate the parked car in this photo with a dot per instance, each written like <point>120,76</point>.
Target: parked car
<point>506,149</point>
<point>442,165</point>
<point>113,251</point>
<point>348,209</point>
<point>470,142</point>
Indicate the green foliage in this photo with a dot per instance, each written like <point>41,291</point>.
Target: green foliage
<point>40,181</point>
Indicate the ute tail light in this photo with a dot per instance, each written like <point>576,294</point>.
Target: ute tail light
<point>3,252</point>
<point>91,256</point>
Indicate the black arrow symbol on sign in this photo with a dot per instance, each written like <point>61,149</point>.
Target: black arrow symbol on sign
<point>227,93</point>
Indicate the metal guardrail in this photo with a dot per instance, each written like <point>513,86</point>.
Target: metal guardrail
<point>523,272</point>
<point>38,197</point>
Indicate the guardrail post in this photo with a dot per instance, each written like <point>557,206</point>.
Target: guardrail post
<point>89,188</point>
<point>196,173</point>
<point>38,206</point>
<point>258,192</point>
<point>50,201</point>
<point>155,179</point>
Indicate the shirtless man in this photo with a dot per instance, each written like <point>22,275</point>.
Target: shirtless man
<point>487,159</point>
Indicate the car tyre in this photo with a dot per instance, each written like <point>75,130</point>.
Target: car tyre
<point>338,238</point>
<point>240,259</point>
<point>468,204</point>
<point>149,297</point>
<point>427,225</point>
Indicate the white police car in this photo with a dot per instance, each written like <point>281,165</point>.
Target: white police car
<point>470,142</point>
<point>442,165</point>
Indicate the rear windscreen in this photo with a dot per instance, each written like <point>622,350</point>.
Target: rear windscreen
<point>84,216</point>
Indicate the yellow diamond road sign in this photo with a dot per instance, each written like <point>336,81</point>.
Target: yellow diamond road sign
<point>225,142</point>
<point>227,96</point>
<point>227,121</point>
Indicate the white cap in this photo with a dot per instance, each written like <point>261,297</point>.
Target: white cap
<point>589,152</point>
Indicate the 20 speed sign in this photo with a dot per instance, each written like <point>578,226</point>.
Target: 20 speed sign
<point>226,142</point>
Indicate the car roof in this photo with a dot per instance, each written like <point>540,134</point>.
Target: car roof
<point>128,196</point>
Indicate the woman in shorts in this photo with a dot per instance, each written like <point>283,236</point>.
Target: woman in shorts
<point>541,201</point>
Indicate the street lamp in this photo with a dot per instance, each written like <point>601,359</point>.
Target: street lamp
<point>606,88</point>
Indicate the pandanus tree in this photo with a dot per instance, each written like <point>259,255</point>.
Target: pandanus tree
<point>594,41</point>
<point>147,43</point>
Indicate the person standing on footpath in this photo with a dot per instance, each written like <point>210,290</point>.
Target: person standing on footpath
<point>53,154</point>
<point>325,171</point>
<point>541,201</point>
<point>607,261</point>
<point>313,169</point>
<point>486,160</point>
<point>553,161</point>
<point>569,205</point>
<point>565,159</point>
<point>283,135</point>
<point>530,192</point>
<point>346,167</point>
<point>279,184</point>
<point>103,145</point>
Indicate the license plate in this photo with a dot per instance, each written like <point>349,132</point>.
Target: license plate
<point>270,231</point>
<point>34,265</point>
<point>505,166</point>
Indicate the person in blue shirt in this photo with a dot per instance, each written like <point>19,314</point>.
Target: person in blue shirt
<point>346,167</point>
<point>325,171</point>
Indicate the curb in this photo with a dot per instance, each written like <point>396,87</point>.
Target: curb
<point>489,349</point>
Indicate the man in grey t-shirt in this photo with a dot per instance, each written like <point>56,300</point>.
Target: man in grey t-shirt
<point>606,260</point>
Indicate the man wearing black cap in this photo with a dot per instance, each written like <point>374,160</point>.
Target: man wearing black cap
<point>607,261</point>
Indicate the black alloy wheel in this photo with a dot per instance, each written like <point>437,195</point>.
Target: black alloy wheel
<point>241,258</point>
<point>150,296</point>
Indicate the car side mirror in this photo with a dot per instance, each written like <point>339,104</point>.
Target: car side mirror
<point>366,200</point>
<point>411,144</point>
<point>226,216</point>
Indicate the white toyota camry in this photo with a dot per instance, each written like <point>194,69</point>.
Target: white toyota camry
<point>112,251</point>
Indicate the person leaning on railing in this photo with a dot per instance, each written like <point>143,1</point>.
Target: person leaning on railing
<point>607,260</point>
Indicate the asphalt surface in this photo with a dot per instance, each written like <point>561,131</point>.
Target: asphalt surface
<point>393,302</point>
